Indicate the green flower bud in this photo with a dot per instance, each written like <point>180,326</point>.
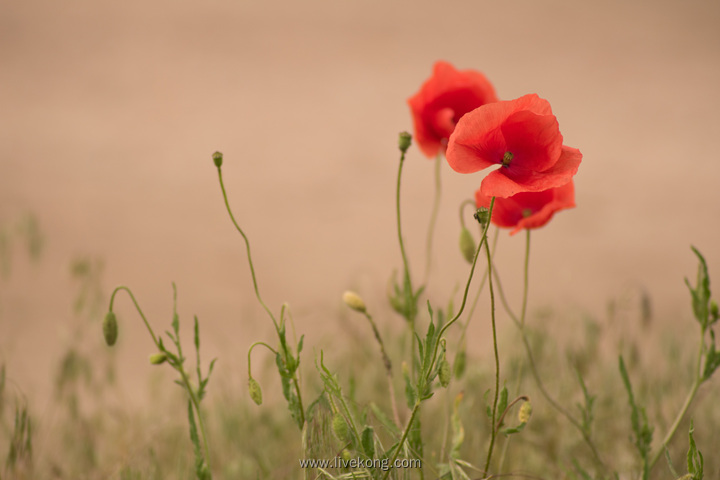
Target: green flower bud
<point>467,245</point>
<point>217,159</point>
<point>158,358</point>
<point>255,391</point>
<point>404,141</point>
<point>346,455</point>
<point>714,313</point>
<point>340,427</point>
<point>460,362</point>
<point>110,329</point>
<point>482,215</point>
<point>444,373</point>
<point>354,301</point>
<point>525,412</point>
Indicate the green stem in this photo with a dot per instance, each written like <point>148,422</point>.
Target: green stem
<point>493,434</point>
<point>139,310</point>
<point>414,412</point>
<point>533,367</point>
<point>433,217</point>
<point>247,248</point>
<point>406,267</point>
<point>683,410</point>
<point>196,404</point>
<point>250,351</point>
<point>179,367</point>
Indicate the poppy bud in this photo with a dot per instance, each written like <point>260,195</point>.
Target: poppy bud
<point>444,373</point>
<point>354,301</point>
<point>340,427</point>
<point>404,141</point>
<point>482,215</point>
<point>110,329</point>
<point>467,245</point>
<point>714,313</point>
<point>525,412</point>
<point>217,159</point>
<point>158,358</point>
<point>255,391</point>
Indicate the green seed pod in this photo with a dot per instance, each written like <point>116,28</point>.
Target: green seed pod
<point>354,301</point>
<point>460,362</point>
<point>525,412</point>
<point>340,427</point>
<point>217,159</point>
<point>467,245</point>
<point>158,358</point>
<point>445,373</point>
<point>404,141</point>
<point>110,329</point>
<point>255,391</point>
<point>714,312</point>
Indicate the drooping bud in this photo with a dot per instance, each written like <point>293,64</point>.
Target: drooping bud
<point>714,312</point>
<point>110,329</point>
<point>525,412</point>
<point>255,391</point>
<point>354,301</point>
<point>467,245</point>
<point>444,373</point>
<point>340,427</point>
<point>404,141</point>
<point>217,159</point>
<point>158,358</point>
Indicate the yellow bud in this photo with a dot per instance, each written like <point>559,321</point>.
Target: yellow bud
<point>255,391</point>
<point>158,358</point>
<point>354,301</point>
<point>110,329</point>
<point>525,412</point>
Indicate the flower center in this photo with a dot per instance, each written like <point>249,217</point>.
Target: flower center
<point>526,212</point>
<point>507,158</point>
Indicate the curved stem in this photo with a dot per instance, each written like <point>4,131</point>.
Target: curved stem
<point>250,351</point>
<point>137,307</point>
<point>247,248</point>
<point>433,217</point>
<point>525,278</point>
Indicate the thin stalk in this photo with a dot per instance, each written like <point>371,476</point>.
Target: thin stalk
<point>493,434</point>
<point>414,412</point>
<point>683,410</point>
<point>388,368</point>
<point>531,360</point>
<point>139,310</point>
<point>433,217</point>
<point>247,248</point>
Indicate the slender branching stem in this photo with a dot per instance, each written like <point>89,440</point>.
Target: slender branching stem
<point>250,352</point>
<point>137,307</point>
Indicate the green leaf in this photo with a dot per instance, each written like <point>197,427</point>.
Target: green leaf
<point>518,429</point>
<point>503,401</point>
<point>701,293</point>
<point>695,460</point>
<point>712,359</point>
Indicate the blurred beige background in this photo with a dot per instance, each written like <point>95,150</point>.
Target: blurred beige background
<point>111,111</point>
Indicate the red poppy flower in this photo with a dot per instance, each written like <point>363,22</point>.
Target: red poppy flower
<point>442,100</point>
<point>528,209</point>
<point>523,137</point>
